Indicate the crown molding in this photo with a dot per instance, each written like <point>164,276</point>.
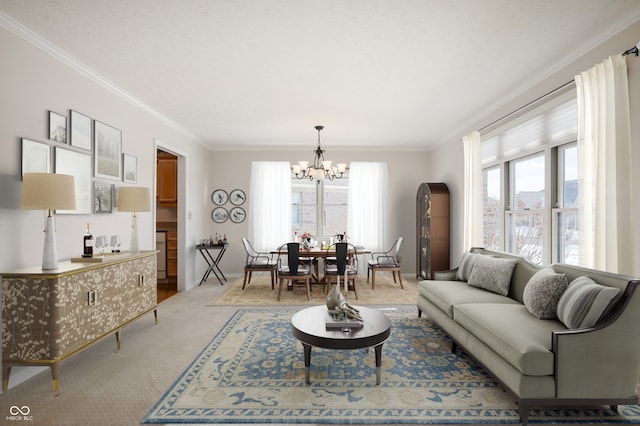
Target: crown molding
<point>36,40</point>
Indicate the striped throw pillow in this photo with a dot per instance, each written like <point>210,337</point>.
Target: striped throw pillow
<point>466,265</point>
<point>585,302</point>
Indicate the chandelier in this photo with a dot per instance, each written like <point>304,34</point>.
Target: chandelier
<point>321,168</point>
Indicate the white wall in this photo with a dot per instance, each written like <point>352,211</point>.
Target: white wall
<point>32,83</point>
<point>448,158</point>
<point>231,169</point>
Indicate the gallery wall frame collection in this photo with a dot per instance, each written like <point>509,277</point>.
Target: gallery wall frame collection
<point>221,214</point>
<point>87,149</point>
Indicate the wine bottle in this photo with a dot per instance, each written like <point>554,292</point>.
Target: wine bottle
<point>88,243</point>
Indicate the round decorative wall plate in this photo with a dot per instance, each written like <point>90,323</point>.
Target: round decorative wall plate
<point>237,215</point>
<point>219,215</point>
<point>219,197</point>
<point>237,197</point>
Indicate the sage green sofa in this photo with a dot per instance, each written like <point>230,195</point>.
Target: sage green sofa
<point>542,362</point>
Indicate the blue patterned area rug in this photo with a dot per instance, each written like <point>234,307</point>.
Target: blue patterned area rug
<point>253,372</point>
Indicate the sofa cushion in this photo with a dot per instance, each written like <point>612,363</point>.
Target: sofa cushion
<point>492,274</point>
<point>543,292</point>
<point>466,265</point>
<point>446,294</point>
<point>586,302</point>
<point>513,333</point>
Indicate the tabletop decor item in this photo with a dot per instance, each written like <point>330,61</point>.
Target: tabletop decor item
<point>134,199</point>
<point>340,313</point>
<point>48,191</point>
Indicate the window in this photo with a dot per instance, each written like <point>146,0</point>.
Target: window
<point>565,215</point>
<point>525,218</point>
<point>530,189</point>
<point>319,208</point>
<point>492,209</point>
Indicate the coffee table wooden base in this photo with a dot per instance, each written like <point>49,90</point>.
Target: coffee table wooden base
<point>308,326</point>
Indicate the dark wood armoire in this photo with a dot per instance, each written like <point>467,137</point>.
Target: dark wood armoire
<point>432,229</point>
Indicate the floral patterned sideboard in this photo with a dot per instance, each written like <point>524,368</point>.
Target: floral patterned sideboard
<point>50,315</point>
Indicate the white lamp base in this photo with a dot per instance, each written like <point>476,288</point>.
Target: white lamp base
<point>50,251</point>
<point>134,248</point>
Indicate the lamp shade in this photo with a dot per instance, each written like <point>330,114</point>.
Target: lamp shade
<point>48,191</point>
<point>134,199</point>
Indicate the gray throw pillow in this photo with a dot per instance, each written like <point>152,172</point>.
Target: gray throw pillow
<point>542,293</point>
<point>586,302</point>
<point>466,265</point>
<point>492,274</point>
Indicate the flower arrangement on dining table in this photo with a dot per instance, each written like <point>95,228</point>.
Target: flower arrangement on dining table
<point>306,240</point>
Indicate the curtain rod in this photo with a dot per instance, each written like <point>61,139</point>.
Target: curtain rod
<point>631,51</point>
<point>528,105</point>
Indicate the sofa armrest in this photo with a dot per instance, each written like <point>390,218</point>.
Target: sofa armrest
<point>449,275</point>
<point>602,361</point>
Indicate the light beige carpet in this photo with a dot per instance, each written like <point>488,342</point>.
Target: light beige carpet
<point>259,292</point>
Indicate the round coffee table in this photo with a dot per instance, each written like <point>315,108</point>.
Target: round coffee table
<point>309,327</point>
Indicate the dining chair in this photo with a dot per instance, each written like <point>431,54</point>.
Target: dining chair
<point>258,261</point>
<point>311,261</point>
<point>386,261</point>
<point>294,271</point>
<point>345,264</point>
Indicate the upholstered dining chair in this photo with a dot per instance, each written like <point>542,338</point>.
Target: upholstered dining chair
<point>294,271</point>
<point>258,261</point>
<point>386,261</point>
<point>344,265</point>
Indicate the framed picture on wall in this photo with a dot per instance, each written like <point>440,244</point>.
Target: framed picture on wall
<point>107,152</point>
<point>129,168</point>
<point>219,215</point>
<point>237,197</point>
<point>237,215</point>
<point>77,164</point>
<point>80,130</point>
<point>57,127</point>
<point>36,157</point>
<point>102,197</point>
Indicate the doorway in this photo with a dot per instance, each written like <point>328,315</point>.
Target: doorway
<point>167,223</point>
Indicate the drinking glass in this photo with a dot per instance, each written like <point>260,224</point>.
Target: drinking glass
<point>115,243</point>
<point>101,243</point>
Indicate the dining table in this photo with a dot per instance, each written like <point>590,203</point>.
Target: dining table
<point>318,252</point>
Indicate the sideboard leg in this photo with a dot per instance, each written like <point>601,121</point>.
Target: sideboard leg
<point>155,315</point>
<point>55,373</point>
<point>118,339</point>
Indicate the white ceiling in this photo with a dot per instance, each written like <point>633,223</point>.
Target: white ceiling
<point>263,73</point>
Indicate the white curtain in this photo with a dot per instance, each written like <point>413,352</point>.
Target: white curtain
<point>604,149</point>
<point>368,213</point>
<point>473,231</point>
<point>270,204</point>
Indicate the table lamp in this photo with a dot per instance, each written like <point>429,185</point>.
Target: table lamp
<point>134,199</point>
<point>48,191</point>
